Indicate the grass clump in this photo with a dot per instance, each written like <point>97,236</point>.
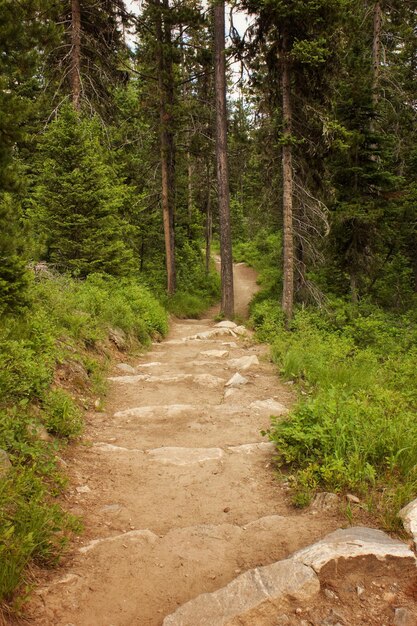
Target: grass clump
<point>354,426</point>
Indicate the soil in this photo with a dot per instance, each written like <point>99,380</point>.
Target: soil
<point>173,500</point>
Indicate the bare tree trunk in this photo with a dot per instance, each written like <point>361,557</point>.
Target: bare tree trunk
<point>190,187</point>
<point>287,195</point>
<point>376,52</point>
<point>75,72</point>
<point>166,101</point>
<point>209,221</point>
<point>227,304</point>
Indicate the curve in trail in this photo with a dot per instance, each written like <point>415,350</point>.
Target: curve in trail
<point>176,488</point>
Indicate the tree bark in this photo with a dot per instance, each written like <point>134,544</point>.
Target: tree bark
<point>167,144</point>
<point>376,52</point>
<point>75,73</point>
<point>287,187</point>
<point>209,221</point>
<point>227,303</point>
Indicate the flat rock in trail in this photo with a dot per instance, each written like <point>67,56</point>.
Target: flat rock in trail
<point>182,497</point>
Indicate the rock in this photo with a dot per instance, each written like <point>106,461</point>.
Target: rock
<point>209,334</point>
<point>38,430</point>
<point>126,368</point>
<point>360,590</point>
<point>167,378</point>
<point>350,543</point>
<point>244,362</point>
<point>207,380</point>
<point>240,330</point>
<point>166,410</point>
<point>226,324</point>
<point>404,617</point>
<point>254,588</point>
<point>230,344</point>
<point>111,508</point>
<point>230,392</point>
<point>129,380</point>
<point>185,456</point>
<point>215,354</point>
<point>118,337</point>
<point>330,595</point>
<point>236,381</point>
<point>270,406</point>
<point>5,464</point>
<point>352,499</point>
<point>325,501</point>
<point>408,514</point>
<point>146,536</point>
<point>151,364</point>
<point>83,489</point>
<point>333,619</point>
<point>249,448</point>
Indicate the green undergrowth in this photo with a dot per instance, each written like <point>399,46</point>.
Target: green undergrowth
<point>354,427</point>
<point>52,361</point>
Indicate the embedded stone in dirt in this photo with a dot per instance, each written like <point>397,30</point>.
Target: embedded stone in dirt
<point>118,337</point>
<point>236,380</point>
<point>240,330</point>
<point>351,543</point>
<point>271,406</point>
<point>404,617</point>
<point>226,324</point>
<point>167,410</point>
<point>215,354</point>
<point>128,380</point>
<point>133,535</point>
<point>244,362</point>
<point>109,447</point>
<point>408,514</point>
<point>167,378</point>
<point>126,368</point>
<point>151,364</point>
<point>249,448</point>
<point>185,456</point>
<point>325,501</point>
<point>208,380</point>
<point>250,590</point>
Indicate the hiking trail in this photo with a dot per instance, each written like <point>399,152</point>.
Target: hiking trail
<point>176,484</point>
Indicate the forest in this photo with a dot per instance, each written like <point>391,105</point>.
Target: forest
<point>137,140</point>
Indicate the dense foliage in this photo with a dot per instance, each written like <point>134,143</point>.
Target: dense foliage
<point>353,427</point>
<point>51,364</point>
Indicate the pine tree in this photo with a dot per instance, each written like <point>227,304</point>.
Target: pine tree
<point>20,33</point>
<point>78,200</point>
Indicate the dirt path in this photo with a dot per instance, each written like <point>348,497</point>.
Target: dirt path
<point>175,482</point>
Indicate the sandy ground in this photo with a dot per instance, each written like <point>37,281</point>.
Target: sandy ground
<point>174,500</point>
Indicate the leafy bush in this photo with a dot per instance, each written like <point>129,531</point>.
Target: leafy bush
<point>355,426</point>
<point>62,416</point>
<point>66,317</point>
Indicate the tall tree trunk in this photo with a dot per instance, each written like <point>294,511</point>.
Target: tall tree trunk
<point>287,187</point>
<point>227,304</point>
<point>190,187</point>
<point>167,145</point>
<point>75,73</point>
<point>376,52</point>
<point>209,221</point>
